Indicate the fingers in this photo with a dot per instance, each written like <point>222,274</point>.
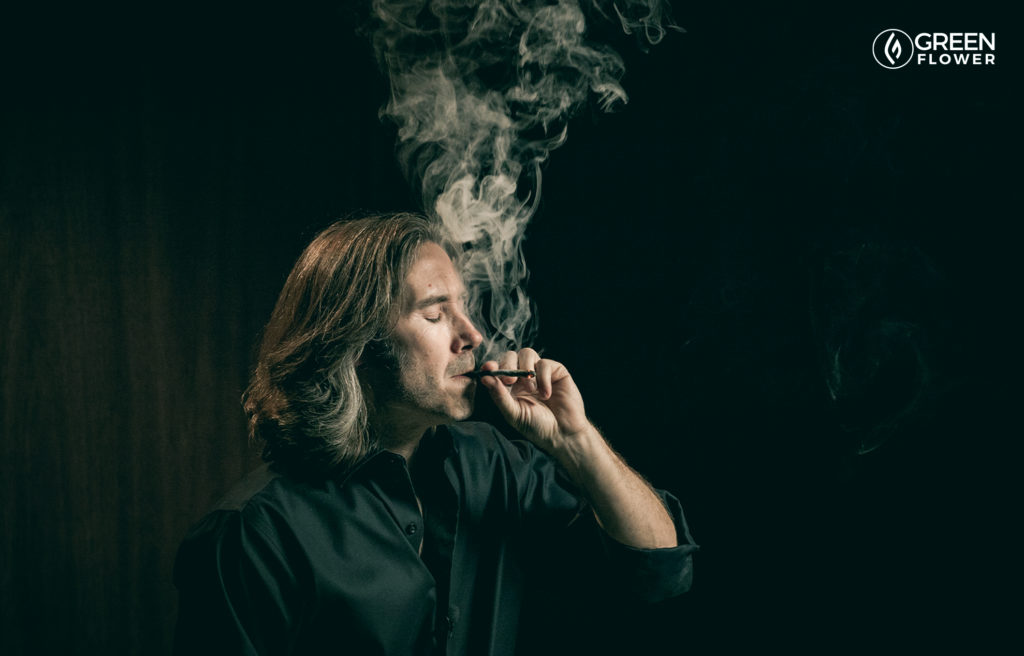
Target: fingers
<point>499,386</point>
<point>507,392</point>
<point>543,405</point>
<point>525,359</point>
<point>500,393</point>
<point>548,372</point>
<point>509,360</point>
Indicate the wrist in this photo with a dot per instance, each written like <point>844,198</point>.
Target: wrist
<point>577,452</point>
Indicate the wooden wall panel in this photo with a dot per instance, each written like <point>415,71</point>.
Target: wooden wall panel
<point>143,241</point>
<point>124,353</point>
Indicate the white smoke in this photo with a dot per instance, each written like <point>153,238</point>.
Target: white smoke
<point>481,92</point>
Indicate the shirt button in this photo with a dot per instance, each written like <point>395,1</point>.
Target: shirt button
<point>410,529</point>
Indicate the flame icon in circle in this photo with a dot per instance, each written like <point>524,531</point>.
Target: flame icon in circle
<point>893,49</point>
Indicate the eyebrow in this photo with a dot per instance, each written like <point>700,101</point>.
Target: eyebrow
<point>432,300</point>
<point>436,299</point>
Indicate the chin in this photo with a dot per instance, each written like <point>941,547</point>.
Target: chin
<point>457,410</point>
<point>463,413</point>
<point>465,405</point>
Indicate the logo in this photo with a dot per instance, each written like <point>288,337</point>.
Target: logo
<point>893,49</point>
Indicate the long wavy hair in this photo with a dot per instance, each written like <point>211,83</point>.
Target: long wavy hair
<point>306,401</point>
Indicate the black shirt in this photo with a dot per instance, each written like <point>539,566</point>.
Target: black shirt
<point>348,564</point>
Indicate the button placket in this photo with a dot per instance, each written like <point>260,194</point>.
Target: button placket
<point>410,522</point>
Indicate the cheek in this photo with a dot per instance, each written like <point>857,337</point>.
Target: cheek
<point>433,343</point>
<point>427,348</point>
<point>420,367</point>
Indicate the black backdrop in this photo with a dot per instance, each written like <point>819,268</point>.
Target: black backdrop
<point>770,205</point>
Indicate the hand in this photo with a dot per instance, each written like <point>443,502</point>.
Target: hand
<point>547,410</point>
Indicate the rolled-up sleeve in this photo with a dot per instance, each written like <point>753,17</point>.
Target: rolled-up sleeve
<point>585,551</point>
<point>652,575</point>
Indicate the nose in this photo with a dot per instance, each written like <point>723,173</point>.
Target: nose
<point>467,336</point>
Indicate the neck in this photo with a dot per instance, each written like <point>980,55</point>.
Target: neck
<point>401,437</point>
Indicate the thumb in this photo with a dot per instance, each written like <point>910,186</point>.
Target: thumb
<point>501,396</point>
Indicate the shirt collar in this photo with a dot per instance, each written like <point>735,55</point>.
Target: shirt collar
<point>436,443</point>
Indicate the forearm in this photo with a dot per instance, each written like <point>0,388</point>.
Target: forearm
<point>548,410</point>
<point>625,505</point>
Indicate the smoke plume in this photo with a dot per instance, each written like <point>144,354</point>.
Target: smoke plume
<point>481,93</point>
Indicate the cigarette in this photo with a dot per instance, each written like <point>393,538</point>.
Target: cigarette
<point>512,373</point>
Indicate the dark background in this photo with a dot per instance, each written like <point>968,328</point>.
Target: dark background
<point>770,205</point>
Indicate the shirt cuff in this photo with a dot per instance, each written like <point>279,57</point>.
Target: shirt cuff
<point>651,575</point>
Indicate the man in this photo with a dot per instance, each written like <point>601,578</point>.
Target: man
<point>383,526</point>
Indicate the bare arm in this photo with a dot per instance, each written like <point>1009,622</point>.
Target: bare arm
<point>549,412</point>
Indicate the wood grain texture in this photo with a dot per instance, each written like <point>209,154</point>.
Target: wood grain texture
<point>142,248</point>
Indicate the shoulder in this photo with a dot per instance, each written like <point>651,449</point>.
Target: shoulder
<point>257,485</point>
<point>263,505</point>
<point>256,526</point>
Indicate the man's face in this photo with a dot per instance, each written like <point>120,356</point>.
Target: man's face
<point>433,343</point>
